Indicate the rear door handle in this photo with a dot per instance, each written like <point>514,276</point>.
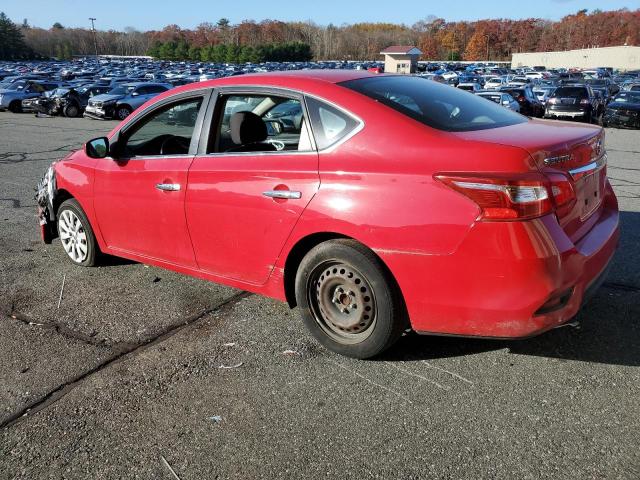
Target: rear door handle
<point>286,194</point>
<point>168,187</point>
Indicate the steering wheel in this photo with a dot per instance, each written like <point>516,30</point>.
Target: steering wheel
<point>174,145</point>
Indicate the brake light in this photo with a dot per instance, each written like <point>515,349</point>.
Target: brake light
<point>562,192</point>
<point>502,198</point>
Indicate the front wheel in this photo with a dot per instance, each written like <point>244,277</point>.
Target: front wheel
<point>76,234</point>
<point>122,112</point>
<point>71,111</point>
<point>348,300</point>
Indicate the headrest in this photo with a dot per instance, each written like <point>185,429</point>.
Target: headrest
<point>247,127</point>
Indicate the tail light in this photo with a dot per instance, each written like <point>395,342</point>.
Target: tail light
<point>502,199</point>
<point>562,192</point>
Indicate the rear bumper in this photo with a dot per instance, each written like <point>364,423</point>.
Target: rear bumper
<point>549,113</point>
<point>507,280</point>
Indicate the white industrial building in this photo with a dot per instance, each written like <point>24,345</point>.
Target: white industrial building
<point>623,58</point>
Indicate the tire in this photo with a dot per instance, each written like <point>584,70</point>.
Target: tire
<point>75,232</point>
<point>71,111</point>
<point>122,112</point>
<point>348,301</point>
<point>15,106</point>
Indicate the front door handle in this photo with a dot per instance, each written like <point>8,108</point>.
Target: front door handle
<point>168,187</point>
<point>286,194</point>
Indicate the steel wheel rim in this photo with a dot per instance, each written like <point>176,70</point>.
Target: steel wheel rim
<point>342,302</point>
<point>73,236</point>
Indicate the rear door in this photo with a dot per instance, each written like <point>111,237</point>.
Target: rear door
<point>243,201</point>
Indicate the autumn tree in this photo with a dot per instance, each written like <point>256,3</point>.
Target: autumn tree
<point>478,46</point>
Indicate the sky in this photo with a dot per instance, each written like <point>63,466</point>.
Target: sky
<point>154,15</point>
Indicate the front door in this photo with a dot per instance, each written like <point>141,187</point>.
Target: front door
<point>247,191</point>
<point>139,197</point>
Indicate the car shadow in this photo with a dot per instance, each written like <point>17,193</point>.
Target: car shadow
<point>608,332</point>
<point>112,261</point>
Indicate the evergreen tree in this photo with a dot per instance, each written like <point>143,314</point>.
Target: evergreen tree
<point>12,46</point>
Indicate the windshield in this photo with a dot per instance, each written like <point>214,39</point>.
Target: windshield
<point>17,85</point>
<point>627,97</point>
<point>494,98</point>
<point>436,105</point>
<point>59,92</point>
<point>121,90</point>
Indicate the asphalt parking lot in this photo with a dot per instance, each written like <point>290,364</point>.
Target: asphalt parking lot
<point>141,370</point>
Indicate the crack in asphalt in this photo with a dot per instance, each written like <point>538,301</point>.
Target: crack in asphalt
<point>6,158</point>
<point>621,286</point>
<point>66,332</point>
<point>59,392</point>
<point>15,202</point>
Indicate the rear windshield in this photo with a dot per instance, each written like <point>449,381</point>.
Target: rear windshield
<point>434,104</point>
<point>570,92</point>
<point>493,98</point>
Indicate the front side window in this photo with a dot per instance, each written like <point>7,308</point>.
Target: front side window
<point>435,105</point>
<point>259,123</point>
<point>167,131</point>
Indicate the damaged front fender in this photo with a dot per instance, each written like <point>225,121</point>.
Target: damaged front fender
<point>45,195</point>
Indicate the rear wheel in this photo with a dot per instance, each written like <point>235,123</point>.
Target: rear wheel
<point>76,234</point>
<point>15,106</point>
<point>348,301</point>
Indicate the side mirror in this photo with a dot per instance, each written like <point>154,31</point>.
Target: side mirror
<point>97,148</point>
<point>274,127</point>
<point>506,102</point>
<point>134,94</point>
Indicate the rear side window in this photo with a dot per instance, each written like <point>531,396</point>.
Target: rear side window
<point>329,124</point>
<point>571,92</point>
<point>435,105</point>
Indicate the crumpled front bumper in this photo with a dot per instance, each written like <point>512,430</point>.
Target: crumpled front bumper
<point>45,195</point>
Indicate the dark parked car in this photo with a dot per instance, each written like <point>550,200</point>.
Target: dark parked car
<point>528,101</point>
<point>574,102</point>
<point>122,100</point>
<point>623,111</point>
<point>70,102</point>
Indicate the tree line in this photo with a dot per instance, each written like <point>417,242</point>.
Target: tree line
<point>438,39</point>
<point>231,53</point>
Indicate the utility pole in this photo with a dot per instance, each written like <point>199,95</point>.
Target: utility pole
<point>488,39</point>
<point>93,29</point>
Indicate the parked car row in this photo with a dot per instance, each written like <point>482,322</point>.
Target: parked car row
<point>591,96</point>
<point>113,89</point>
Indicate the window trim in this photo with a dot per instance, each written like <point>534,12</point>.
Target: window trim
<point>217,95</point>
<point>182,97</point>
<point>357,129</point>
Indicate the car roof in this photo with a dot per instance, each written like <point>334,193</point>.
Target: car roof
<point>285,79</point>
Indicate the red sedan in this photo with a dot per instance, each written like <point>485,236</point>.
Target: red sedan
<point>374,203</point>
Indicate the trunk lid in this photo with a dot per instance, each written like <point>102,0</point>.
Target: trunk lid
<point>568,154</point>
